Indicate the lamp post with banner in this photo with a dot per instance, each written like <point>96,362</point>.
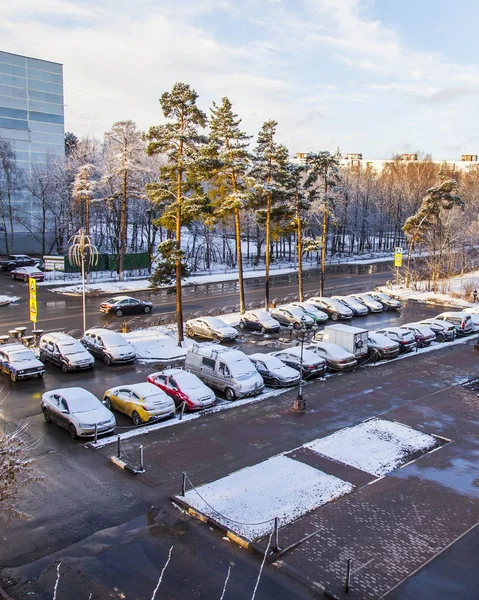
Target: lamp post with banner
<point>81,252</point>
<point>397,262</point>
<point>302,335</point>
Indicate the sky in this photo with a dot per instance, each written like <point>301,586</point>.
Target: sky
<point>377,77</point>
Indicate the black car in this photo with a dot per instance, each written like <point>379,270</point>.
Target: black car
<point>125,305</point>
<point>259,320</point>
<point>19,260</point>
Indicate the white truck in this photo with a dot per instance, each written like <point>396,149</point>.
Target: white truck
<point>352,339</point>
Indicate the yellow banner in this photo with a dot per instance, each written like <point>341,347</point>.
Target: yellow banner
<point>33,310</point>
<point>32,285</point>
<point>398,260</point>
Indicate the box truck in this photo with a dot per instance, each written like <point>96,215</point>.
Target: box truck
<point>352,339</point>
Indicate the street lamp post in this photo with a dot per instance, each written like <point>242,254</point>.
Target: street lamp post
<point>82,251</point>
<point>299,402</point>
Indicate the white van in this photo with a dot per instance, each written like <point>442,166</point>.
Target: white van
<point>461,321</point>
<point>225,369</point>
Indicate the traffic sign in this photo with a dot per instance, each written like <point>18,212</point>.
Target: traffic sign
<point>32,285</point>
<point>398,258</point>
<point>33,310</point>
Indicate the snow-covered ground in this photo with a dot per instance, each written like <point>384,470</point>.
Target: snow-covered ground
<point>247,501</point>
<point>155,344</point>
<point>402,293</point>
<point>375,446</point>
<point>4,300</point>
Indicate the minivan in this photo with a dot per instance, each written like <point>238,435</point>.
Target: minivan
<point>228,370</point>
<point>461,321</point>
<point>64,351</point>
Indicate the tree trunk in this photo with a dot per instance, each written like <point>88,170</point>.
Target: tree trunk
<point>268,249</point>
<point>299,247</point>
<point>121,262</point>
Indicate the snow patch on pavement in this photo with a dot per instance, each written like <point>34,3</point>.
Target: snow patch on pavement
<point>157,344</point>
<point>375,446</point>
<point>4,300</point>
<point>247,501</point>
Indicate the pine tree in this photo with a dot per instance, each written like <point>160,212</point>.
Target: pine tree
<point>179,188</point>
<point>270,176</point>
<point>229,180</point>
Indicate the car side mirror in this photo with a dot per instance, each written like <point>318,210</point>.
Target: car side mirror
<point>64,411</point>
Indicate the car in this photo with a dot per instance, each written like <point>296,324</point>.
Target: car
<point>332,307</point>
<point>125,305</point>
<point>274,371</point>
<point>462,321</point>
<point>382,347</point>
<point>336,357</point>
<point>359,310</point>
<point>474,319</point>
<point>424,335</point>
<point>388,302</point>
<point>403,337</point>
<point>259,320</point>
<point>108,345</point>
<point>317,315</point>
<point>143,402</point>
<point>313,366</point>
<point>20,362</point>
<point>78,411</point>
<point>369,302</point>
<point>184,387</point>
<point>27,273</point>
<point>211,328</point>
<point>19,260</point>
<point>291,316</point>
<point>445,331</point>
<point>65,351</point>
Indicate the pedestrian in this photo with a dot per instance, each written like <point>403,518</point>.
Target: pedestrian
<point>474,295</point>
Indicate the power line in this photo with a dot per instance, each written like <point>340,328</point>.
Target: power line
<point>110,99</point>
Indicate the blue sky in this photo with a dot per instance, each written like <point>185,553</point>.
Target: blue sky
<point>377,77</point>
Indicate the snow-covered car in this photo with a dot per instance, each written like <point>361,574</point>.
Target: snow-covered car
<point>369,302</point>
<point>211,328</point>
<point>183,386</point>
<point>259,320</point>
<point>403,337</point>
<point>290,315</point>
<point>274,371</point>
<point>424,335</point>
<point>64,351</point>
<point>462,321</point>
<point>313,365</point>
<point>474,309</point>
<point>358,308</point>
<point>445,331</point>
<point>125,305</point>
<point>474,320</point>
<point>317,315</point>
<point>332,307</point>
<point>20,362</point>
<point>336,357</point>
<point>15,261</point>
<point>27,273</point>
<point>108,345</point>
<point>78,411</point>
<point>143,402</point>
<point>381,346</point>
<point>388,302</point>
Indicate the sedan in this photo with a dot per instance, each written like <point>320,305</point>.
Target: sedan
<point>259,320</point>
<point>403,337</point>
<point>185,388</point>
<point>369,302</point>
<point>78,411</point>
<point>143,402</point>
<point>358,308</point>
<point>211,328</point>
<point>381,346</point>
<point>27,273</point>
<point>274,371</point>
<point>336,357</point>
<point>309,309</point>
<point>388,302</point>
<point>290,315</point>
<point>424,335</point>
<point>125,305</point>
<point>313,366</point>
<point>332,307</point>
<point>445,331</point>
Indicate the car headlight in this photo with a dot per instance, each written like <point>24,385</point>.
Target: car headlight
<point>20,372</point>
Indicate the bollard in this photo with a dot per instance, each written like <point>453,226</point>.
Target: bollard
<point>276,534</point>
<point>95,439</point>
<point>118,450</point>
<point>182,410</point>
<point>348,576</point>
<point>183,485</point>
<point>142,466</point>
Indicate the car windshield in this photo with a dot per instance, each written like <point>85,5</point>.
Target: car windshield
<point>263,315</point>
<point>242,368</point>
<point>111,301</point>
<point>382,296</point>
<point>22,356</point>
<point>310,308</point>
<point>274,363</point>
<point>218,323</point>
<point>407,335</point>
<point>83,404</point>
<point>188,381</point>
<point>71,348</point>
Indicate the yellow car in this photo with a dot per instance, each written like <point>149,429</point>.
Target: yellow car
<point>142,402</point>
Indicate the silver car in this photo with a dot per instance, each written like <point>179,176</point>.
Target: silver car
<point>78,411</point>
<point>371,303</point>
<point>211,328</point>
<point>357,307</point>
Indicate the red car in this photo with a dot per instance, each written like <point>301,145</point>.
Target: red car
<point>184,387</point>
<point>26,273</point>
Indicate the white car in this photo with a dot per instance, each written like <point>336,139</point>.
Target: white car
<point>336,357</point>
<point>462,321</point>
<point>357,307</point>
<point>319,316</point>
<point>108,345</point>
<point>445,331</point>
<point>369,302</point>
<point>424,335</point>
<point>388,302</point>
<point>211,328</point>
<point>313,365</point>
<point>259,320</point>
<point>274,371</point>
<point>291,315</point>
<point>78,411</point>
<point>332,307</point>
<point>403,337</point>
<point>474,319</point>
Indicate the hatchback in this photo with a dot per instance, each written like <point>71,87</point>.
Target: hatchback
<point>184,387</point>
<point>143,402</point>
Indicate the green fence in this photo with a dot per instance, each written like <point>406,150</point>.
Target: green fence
<point>109,262</point>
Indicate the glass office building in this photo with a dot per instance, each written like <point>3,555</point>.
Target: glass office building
<point>32,120</point>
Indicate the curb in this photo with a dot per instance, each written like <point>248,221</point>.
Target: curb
<point>121,464</point>
<point>4,595</point>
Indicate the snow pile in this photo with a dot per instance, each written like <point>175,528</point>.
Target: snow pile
<point>4,300</point>
<point>375,446</point>
<point>247,501</point>
<point>156,344</point>
<point>402,293</point>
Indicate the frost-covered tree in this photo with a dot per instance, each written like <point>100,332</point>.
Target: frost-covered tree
<point>84,187</point>
<point>9,176</point>
<point>229,187</point>
<point>178,189</point>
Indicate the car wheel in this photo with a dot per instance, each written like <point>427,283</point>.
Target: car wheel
<point>42,356</point>
<point>107,360</point>
<point>25,278</point>
<point>13,377</point>
<point>230,394</point>
<point>107,402</point>
<point>147,309</point>
<point>335,316</point>
<point>275,383</point>
<point>190,333</point>
<point>119,312</point>
<point>242,325</point>
<point>46,415</point>
<point>40,375</point>
<point>215,337</point>
<point>297,325</point>
<point>12,276</point>
<point>440,338</point>
<point>136,419</point>
<point>65,367</point>
<point>73,432</point>
<point>263,330</point>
